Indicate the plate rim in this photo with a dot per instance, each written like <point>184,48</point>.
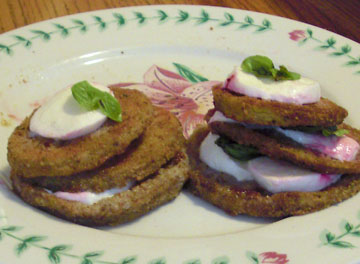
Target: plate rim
<point>216,259</point>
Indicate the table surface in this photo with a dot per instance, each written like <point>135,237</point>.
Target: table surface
<point>341,17</point>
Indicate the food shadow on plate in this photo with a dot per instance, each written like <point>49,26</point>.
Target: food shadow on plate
<point>209,208</point>
<point>5,177</point>
<point>7,190</point>
<point>189,202</point>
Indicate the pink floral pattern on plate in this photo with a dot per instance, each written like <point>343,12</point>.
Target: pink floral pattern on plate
<point>187,100</point>
<point>297,35</point>
<point>272,258</point>
<point>269,257</point>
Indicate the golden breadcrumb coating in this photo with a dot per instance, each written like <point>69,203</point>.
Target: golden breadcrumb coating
<point>162,139</point>
<point>161,188</point>
<point>247,197</point>
<point>278,147</point>
<point>266,112</point>
<point>35,156</point>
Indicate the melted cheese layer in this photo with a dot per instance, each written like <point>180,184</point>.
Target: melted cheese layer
<point>90,198</point>
<point>274,176</point>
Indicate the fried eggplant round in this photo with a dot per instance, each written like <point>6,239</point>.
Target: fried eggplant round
<point>249,198</point>
<point>31,156</point>
<point>279,147</point>
<point>162,187</point>
<point>162,139</point>
<point>267,112</point>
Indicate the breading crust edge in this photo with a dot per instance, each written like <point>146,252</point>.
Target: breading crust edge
<point>235,200</point>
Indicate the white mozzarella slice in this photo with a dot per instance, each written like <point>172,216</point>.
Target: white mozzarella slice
<point>302,91</point>
<point>341,148</point>
<point>279,176</point>
<point>63,118</point>
<point>213,155</point>
<point>220,117</point>
<point>90,197</point>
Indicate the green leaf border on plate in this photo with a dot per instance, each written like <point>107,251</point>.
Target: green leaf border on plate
<point>337,241</point>
<point>140,18</point>
<point>329,45</point>
<point>56,254</point>
<point>60,252</point>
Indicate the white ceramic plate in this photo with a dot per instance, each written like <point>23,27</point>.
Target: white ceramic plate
<point>200,43</point>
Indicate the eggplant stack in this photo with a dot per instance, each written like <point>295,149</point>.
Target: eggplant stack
<point>266,158</point>
<point>110,176</point>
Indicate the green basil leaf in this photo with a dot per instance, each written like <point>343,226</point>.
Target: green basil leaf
<point>273,73</point>
<point>262,66</point>
<point>92,98</point>
<point>337,132</point>
<point>84,95</point>
<point>237,151</point>
<point>111,107</point>
<point>284,74</point>
<point>326,131</point>
<point>341,132</point>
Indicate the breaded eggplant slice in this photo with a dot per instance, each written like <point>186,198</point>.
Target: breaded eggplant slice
<point>247,197</point>
<point>157,190</point>
<point>35,156</point>
<point>162,139</point>
<point>267,112</point>
<point>282,148</point>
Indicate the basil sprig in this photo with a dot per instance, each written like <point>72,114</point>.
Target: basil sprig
<point>326,131</point>
<point>92,98</point>
<point>262,66</point>
<point>237,151</point>
<point>334,132</point>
